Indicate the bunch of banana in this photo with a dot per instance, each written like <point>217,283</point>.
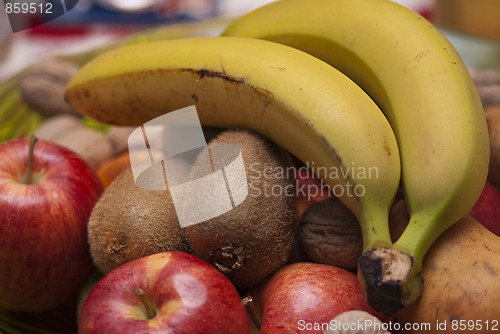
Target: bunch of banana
<point>286,95</point>
<point>414,74</point>
<point>19,117</point>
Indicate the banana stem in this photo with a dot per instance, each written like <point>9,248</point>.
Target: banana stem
<point>389,279</point>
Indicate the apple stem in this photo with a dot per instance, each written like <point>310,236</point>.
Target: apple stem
<point>150,310</point>
<point>250,307</point>
<point>29,171</point>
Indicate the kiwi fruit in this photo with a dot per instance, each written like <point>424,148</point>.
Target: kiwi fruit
<point>129,222</point>
<point>255,238</point>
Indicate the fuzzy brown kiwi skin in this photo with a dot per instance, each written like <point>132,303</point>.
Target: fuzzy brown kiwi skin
<point>255,238</point>
<point>128,223</point>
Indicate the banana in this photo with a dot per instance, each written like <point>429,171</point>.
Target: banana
<point>419,81</point>
<point>286,95</point>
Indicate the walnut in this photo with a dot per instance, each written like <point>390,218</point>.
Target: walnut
<point>42,86</point>
<point>68,131</point>
<point>330,234</point>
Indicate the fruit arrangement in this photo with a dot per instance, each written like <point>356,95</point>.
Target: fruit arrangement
<point>367,156</point>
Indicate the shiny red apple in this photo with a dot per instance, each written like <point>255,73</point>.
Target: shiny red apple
<point>170,292</point>
<point>487,208</point>
<point>304,297</point>
<point>44,256</point>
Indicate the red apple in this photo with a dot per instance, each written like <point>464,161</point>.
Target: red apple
<point>170,292</point>
<point>487,209</point>
<point>310,189</point>
<point>44,256</point>
<point>304,297</point>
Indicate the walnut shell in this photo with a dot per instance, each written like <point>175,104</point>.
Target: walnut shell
<point>42,86</point>
<point>330,234</point>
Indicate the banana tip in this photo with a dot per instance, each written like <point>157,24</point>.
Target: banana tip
<point>388,280</point>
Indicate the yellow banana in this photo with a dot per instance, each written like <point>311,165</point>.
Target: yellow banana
<point>286,95</point>
<point>419,81</point>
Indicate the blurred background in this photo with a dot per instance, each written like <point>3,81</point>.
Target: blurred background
<point>472,26</point>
